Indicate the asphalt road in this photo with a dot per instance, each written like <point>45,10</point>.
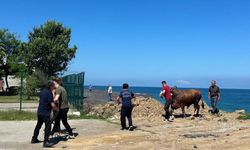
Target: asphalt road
<point>16,135</point>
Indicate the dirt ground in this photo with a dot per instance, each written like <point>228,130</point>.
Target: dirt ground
<point>183,134</point>
<point>218,132</point>
<point>17,134</point>
<point>212,132</point>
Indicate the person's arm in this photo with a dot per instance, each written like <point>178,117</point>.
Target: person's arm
<point>134,100</point>
<point>54,94</point>
<point>54,107</point>
<point>218,93</point>
<point>133,95</point>
<point>162,93</point>
<point>51,100</point>
<point>56,98</point>
<point>218,96</point>
<point>209,94</point>
<point>57,95</point>
<point>118,99</point>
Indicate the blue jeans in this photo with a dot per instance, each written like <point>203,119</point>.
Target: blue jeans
<point>110,96</point>
<point>214,101</point>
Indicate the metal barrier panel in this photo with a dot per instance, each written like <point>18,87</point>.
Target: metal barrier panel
<point>74,85</point>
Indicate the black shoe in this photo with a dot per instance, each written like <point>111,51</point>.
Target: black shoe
<point>47,144</point>
<point>131,128</point>
<point>34,141</point>
<point>124,129</point>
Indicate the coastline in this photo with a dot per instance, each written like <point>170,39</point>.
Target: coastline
<point>227,104</point>
<point>231,99</point>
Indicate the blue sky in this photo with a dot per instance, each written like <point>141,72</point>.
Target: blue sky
<point>186,43</point>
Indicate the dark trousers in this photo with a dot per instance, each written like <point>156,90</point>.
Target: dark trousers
<point>166,108</point>
<point>126,111</point>
<point>62,116</point>
<point>40,120</point>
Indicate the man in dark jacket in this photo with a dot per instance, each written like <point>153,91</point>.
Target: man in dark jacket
<point>46,104</point>
<point>126,97</point>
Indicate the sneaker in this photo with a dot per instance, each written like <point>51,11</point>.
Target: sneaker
<point>34,141</point>
<point>47,144</point>
<point>170,119</point>
<point>131,128</point>
<point>70,137</point>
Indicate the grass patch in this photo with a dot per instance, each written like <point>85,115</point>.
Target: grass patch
<point>15,115</point>
<point>85,116</point>
<point>16,99</point>
<point>244,117</point>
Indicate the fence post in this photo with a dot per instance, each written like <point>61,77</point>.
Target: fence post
<point>21,88</point>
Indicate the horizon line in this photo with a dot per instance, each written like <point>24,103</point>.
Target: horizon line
<point>177,86</point>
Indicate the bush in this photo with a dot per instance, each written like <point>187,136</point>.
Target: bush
<point>244,117</point>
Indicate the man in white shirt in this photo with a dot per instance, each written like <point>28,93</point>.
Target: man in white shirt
<point>110,92</point>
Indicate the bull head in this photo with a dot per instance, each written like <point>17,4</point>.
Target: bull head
<point>174,91</point>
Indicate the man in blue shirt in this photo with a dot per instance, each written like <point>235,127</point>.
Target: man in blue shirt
<point>126,110</point>
<point>43,114</point>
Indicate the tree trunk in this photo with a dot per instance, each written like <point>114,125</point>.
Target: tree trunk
<point>6,81</point>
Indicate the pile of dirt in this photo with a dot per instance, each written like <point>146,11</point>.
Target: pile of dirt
<point>146,107</point>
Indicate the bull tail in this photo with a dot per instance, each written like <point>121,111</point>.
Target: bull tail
<point>202,104</point>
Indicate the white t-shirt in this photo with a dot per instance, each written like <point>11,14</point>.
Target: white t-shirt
<point>110,89</point>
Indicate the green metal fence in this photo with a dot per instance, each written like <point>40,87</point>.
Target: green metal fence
<point>74,85</point>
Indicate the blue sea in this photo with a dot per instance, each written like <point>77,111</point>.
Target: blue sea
<point>231,99</point>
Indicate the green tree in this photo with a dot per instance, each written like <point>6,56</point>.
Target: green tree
<point>34,83</point>
<point>48,48</point>
<point>9,52</point>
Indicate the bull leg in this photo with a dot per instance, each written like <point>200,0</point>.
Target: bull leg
<point>197,109</point>
<point>183,111</point>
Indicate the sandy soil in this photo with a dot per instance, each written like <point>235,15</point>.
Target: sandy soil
<point>218,132</point>
<point>210,132</point>
<point>224,132</point>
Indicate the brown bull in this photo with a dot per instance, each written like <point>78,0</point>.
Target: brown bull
<point>182,98</point>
